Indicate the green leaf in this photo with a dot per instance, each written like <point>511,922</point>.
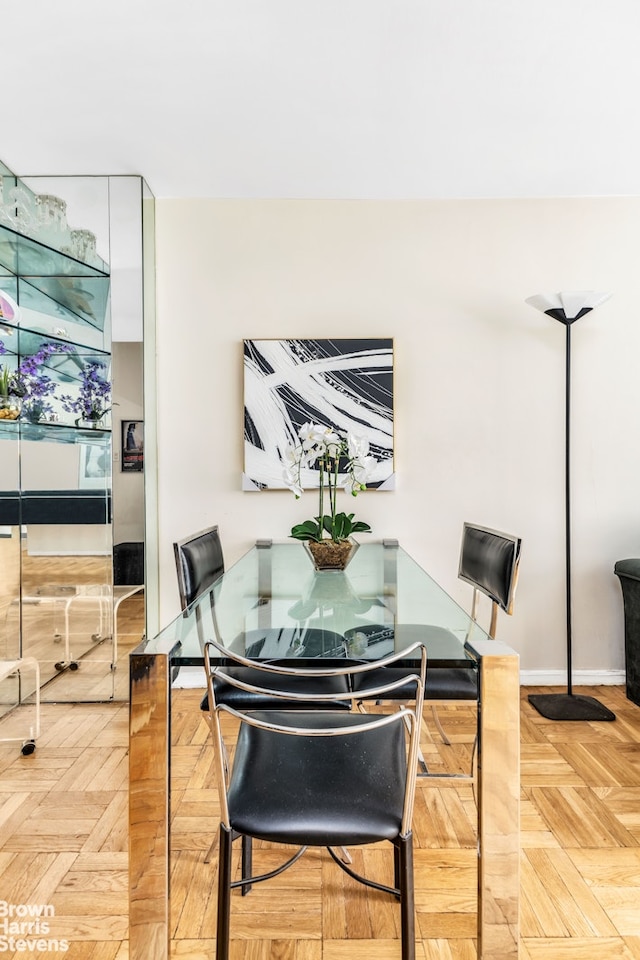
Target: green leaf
<point>361,527</point>
<point>306,531</point>
<point>339,528</point>
<point>326,523</point>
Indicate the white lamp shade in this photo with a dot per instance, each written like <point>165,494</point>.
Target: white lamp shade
<point>571,302</point>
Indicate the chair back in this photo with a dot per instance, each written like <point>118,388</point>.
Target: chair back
<point>199,563</point>
<point>311,719</point>
<point>489,561</point>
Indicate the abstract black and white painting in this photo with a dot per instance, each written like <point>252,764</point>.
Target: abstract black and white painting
<point>344,384</point>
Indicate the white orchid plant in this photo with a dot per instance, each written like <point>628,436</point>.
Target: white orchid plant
<point>343,461</point>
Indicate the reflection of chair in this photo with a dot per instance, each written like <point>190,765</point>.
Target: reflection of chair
<point>11,668</point>
<point>318,778</point>
<point>489,561</point>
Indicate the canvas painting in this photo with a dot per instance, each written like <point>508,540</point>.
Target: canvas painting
<point>344,384</point>
<point>94,466</point>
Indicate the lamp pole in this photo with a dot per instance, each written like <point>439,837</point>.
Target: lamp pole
<point>567,504</point>
<point>567,308</point>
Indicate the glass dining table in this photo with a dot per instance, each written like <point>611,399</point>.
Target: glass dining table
<point>273,604</point>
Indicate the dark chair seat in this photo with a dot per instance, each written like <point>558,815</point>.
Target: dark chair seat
<point>313,642</point>
<point>452,683</point>
<point>318,791</point>
<point>245,700</point>
<point>317,779</point>
<point>443,683</point>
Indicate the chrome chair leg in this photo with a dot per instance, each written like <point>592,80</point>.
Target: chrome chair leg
<point>247,862</point>
<point>436,720</point>
<point>404,866</point>
<point>211,851</point>
<point>224,894</point>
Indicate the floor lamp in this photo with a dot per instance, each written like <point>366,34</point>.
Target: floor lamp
<point>567,308</point>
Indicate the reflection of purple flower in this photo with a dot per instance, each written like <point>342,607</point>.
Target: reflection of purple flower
<point>27,381</point>
<point>94,398</point>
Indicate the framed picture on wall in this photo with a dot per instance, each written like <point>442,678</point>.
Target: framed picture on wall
<point>345,384</point>
<point>94,466</point>
<point>132,456</point>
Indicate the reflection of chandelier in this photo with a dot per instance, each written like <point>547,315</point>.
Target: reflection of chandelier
<point>17,209</point>
<point>43,217</point>
<point>52,212</point>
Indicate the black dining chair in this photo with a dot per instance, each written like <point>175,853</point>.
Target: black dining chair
<point>199,565</point>
<point>489,562</point>
<point>318,778</point>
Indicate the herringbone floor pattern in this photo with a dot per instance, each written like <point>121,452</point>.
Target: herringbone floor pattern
<point>63,843</point>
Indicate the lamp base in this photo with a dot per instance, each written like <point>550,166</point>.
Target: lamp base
<point>567,706</point>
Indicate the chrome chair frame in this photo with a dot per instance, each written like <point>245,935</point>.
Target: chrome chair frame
<point>330,725</point>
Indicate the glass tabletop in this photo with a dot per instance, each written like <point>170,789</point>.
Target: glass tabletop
<point>273,604</point>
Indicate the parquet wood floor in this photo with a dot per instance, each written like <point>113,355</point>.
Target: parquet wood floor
<point>41,623</point>
<point>63,842</point>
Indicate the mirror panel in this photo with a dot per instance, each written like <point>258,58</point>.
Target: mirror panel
<point>71,517</point>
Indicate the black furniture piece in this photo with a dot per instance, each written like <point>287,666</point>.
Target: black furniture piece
<point>628,573</point>
<point>199,564</point>
<point>128,563</point>
<point>489,562</point>
<point>55,507</point>
<point>317,778</point>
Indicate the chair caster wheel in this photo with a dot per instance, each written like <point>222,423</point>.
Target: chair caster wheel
<point>28,747</point>
<point>73,665</point>
<point>96,636</point>
<point>59,665</point>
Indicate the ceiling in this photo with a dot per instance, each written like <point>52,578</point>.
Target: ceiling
<point>339,99</point>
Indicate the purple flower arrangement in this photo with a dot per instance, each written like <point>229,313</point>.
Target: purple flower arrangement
<point>94,398</point>
<point>32,383</point>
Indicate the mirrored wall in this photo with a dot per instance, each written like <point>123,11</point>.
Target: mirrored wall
<point>76,259</point>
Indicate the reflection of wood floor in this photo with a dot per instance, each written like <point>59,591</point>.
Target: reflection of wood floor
<point>48,582</point>
<point>63,841</point>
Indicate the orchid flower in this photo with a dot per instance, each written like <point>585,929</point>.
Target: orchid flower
<point>332,453</point>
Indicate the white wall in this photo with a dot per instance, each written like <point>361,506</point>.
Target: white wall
<point>479,385</point>
<point>128,488</point>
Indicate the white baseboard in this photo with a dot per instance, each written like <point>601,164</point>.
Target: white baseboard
<point>190,678</point>
<point>581,678</point>
<point>193,678</point>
